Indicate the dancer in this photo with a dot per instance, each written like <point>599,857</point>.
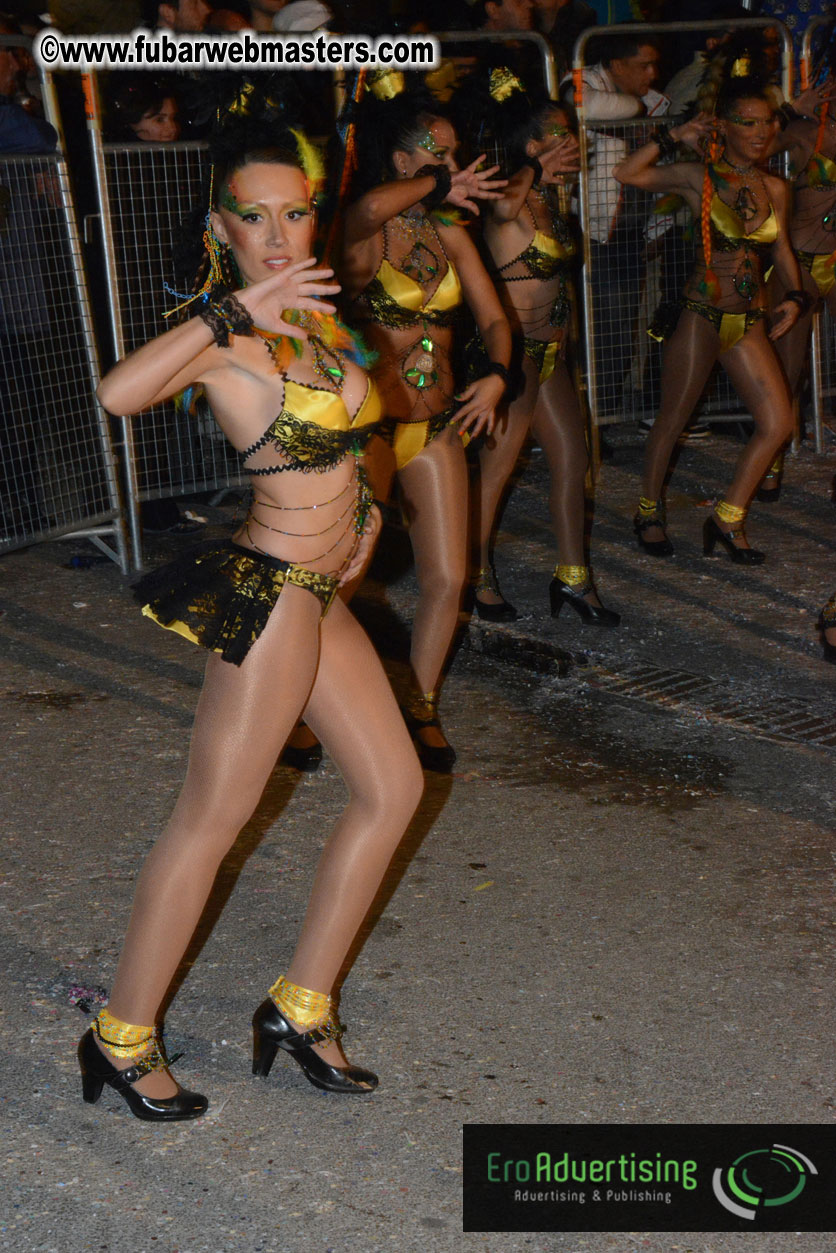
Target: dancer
<point>282,379</point>
<point>530,242</point>
<point>742,212</point>
<point>810,141</point>
<point>408,268</point>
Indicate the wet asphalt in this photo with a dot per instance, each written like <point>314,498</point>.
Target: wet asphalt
<point>618,909</point>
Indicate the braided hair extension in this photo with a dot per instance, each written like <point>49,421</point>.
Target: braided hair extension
<point>731,93</point>
<point>400,120</point>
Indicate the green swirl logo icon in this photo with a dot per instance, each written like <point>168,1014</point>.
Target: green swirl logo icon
<point>762,1178</point>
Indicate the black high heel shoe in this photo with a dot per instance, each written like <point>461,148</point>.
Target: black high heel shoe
<point>306,759</point>
<point>272,1031</point>
<point>655,547</point>
<point>827,620</point>
<point>420,714</point>
<point>561,594</point>
<point>486,581</point>
<point>712,532</point>
<point>96,1071</point>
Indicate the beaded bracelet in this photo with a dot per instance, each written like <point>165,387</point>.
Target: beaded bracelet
<point>666,144</point>
<point>237,318</point>
<point>224,314</point>
<point>801,298</point>
<point>496,367</point>
<point>216,323</point>
<point>443,179</point>
<point>536,167</point>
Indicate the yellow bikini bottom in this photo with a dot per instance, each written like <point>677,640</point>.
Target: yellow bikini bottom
<point>822,268</point>
<point>545,355</point>
<point>731,327</point>
<point>408,439</point>
<point>220,595</point>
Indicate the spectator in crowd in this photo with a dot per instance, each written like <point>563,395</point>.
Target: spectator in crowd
<point>147,109</point>
<point>562,21</point>
<point>503,15</point>
<point>24,306</point>
<point>183,16</point>
<point>264,12</point>
<point>617,87</point>
<point>20,130</point>
<point>301,15</point>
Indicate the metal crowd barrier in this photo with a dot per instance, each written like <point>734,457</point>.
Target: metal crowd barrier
<point>57,469</point>
<point>146,193</point>
<point>636,254</point>
<point>823,339</point>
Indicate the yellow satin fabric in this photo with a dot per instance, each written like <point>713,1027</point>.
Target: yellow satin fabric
<point>550,247</point>
<point>823,271</point>
<point>410,295</point>
<point>727,222</point>
<point>327,409</point>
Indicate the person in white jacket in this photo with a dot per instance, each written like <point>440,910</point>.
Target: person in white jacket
<point>615,89</point>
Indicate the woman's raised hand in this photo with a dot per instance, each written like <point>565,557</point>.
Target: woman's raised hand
<point>807,101</point>
<point>295,286</point>
<point>696,133</point>
<point>560,156</point>
<point>469,184</point>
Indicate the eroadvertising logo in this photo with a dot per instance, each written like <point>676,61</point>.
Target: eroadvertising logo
<point>649,1177</point>
<point>762,1177</point>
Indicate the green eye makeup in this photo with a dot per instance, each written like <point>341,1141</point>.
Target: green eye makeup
<point>557,131</point>
<point>428,142</point>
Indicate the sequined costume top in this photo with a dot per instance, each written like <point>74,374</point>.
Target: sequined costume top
<point>394,299</point>
<point>548,258</point>
<point>728,232</point>
<point>314,430</point>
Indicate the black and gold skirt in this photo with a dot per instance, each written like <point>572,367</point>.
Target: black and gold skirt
<point>220,595</point>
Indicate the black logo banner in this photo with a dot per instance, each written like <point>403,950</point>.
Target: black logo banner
<point>650,1177</point>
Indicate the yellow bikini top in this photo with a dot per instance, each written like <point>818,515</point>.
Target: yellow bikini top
<point>731,227</point>
<point>409,295</point>
<point>314,430</point>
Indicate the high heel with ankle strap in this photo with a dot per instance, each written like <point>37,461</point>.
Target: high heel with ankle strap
<point>272,1031</point>
<point>712,533</point>
<point>96,1071</point>
<point>502,611</point>
<point>573,593</point>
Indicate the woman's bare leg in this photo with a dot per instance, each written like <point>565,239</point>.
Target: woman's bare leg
<point>353,711</point>
<point>759,381</point>
<point>435,490</point>
<point>689,356</point>
<point>244,715</point>
<point>497,458</point>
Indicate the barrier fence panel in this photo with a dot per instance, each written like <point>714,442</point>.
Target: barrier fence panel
<point>57,470</point>
<point>148,193</point>
<point>823,344</point>
<point>638,252</point>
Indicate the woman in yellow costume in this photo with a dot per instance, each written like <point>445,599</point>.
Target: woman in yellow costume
<point>282,379</point>
<point>528,236</point>
<point>742,212</point>
<point>809,137</point>
<point>409,266</point>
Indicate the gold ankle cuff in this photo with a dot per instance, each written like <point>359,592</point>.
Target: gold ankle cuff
<point>312,1010</point>
<point>651,508</point>
<point>123,1039</point>
<point>485,581</point>
<point>572,576</point>
<point>776,467</point>
<point>423,706</point>
<point>730,513</point>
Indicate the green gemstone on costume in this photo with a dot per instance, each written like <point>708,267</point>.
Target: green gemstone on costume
<point>427,344</point>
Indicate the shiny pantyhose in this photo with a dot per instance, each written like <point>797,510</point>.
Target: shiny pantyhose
<point>329,671</point>
<point>551,411</point>
<point>758,379</point>
<point>435,494</point>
